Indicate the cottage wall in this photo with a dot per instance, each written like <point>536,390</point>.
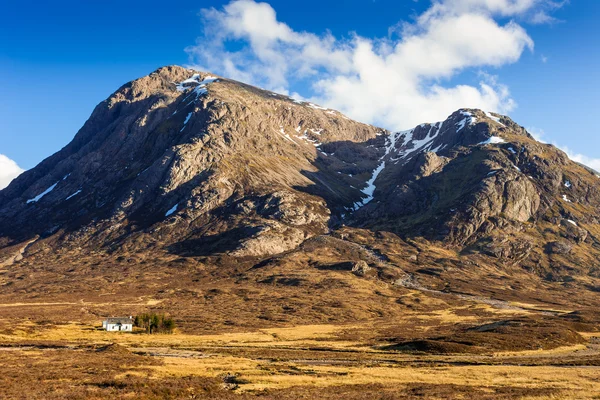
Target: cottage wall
<point>115,327</point>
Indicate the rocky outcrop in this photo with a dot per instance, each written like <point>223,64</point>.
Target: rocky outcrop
<point>428,163</point>
<point>506,194</point>
<point>507,249</point>
<point>200,165</point>
<point>560,247</point>
<point>570,230</point>
<point>361,268</point>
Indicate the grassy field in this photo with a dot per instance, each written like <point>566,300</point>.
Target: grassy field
<point>299,326</point>
<point>77,360</point>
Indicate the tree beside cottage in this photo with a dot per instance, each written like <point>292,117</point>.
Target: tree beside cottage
<point>155,323</point>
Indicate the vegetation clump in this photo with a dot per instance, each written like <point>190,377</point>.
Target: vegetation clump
<point>155,323</point>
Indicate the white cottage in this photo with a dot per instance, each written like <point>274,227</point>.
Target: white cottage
<point>120,324</point>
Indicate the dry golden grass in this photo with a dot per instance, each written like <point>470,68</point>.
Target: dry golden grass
<point>260,375</point>
<point>563,350</point>
<point>305,332</point>
<point>537,307</point>
<point>302,336</point>
<point>281,362</point>
<point>294,360</point>
<point>590,335</point>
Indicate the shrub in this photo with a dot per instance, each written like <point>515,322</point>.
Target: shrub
<point>155,323</point>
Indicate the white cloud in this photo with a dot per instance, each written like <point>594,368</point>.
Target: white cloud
<point>395,83</point>
<point>532,11</point>
<point>9,170</point>
<point>537,133</point>
<point>580,158</point>
<point>542,17</point>
<point>504,8</point>
<point>540,136</point>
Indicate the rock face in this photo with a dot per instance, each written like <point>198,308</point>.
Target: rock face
<point>478,175</point>
<point>191,164</point>
<point>184,155</point>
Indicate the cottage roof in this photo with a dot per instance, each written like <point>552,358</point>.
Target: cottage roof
<point>119,320</point>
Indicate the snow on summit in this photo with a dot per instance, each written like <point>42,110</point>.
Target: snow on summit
<point>468,118</point>
<point>195,79</point>
<point>199,85</point>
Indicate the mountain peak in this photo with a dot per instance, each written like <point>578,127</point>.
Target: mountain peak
<point>192,162</point>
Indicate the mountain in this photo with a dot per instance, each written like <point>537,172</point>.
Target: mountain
<point>192,155</point>
<point>182,176</point>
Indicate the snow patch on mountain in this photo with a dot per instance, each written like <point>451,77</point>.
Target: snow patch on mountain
<point>369,190</point>
<point>469,118</point>
<point>73,195</point>
<point>495,119</point>
<point>195,79</point>
<point>172,210</point>
<point>492,140</point>
<point>187,119</point>
<point>201,86</point>
<point>45,192</point>
<point>286,136</point>
<point>316,107</point>
<point>305,137</point>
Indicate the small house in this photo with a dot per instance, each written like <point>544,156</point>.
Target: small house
<point>119,324</point>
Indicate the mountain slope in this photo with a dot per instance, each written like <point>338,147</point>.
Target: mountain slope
<point>167,150</point>
<point>495,191</point>
<point>182,177</point>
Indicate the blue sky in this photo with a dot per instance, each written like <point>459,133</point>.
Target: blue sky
<point>59,59</point>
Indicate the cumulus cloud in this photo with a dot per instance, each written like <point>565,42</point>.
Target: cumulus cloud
<point>537,133</point>
<point>582,159</point>
<point>533,11</point>
<point>540,136</point>
<point>9,170</point>
<point>397,81</point>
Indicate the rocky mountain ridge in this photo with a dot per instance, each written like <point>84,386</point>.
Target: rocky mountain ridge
<point>188,163</point>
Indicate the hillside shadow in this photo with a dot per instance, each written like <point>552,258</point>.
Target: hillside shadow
<point>341,170</point>
<point>213,244</point>
<point>422,204</point>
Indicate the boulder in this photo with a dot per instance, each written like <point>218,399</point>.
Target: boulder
<point>361,268</point>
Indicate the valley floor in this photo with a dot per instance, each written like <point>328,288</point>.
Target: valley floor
<point>46,360</point>
<point>359,316</point>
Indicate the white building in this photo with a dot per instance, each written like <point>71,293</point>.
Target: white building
<point>120,324</point>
